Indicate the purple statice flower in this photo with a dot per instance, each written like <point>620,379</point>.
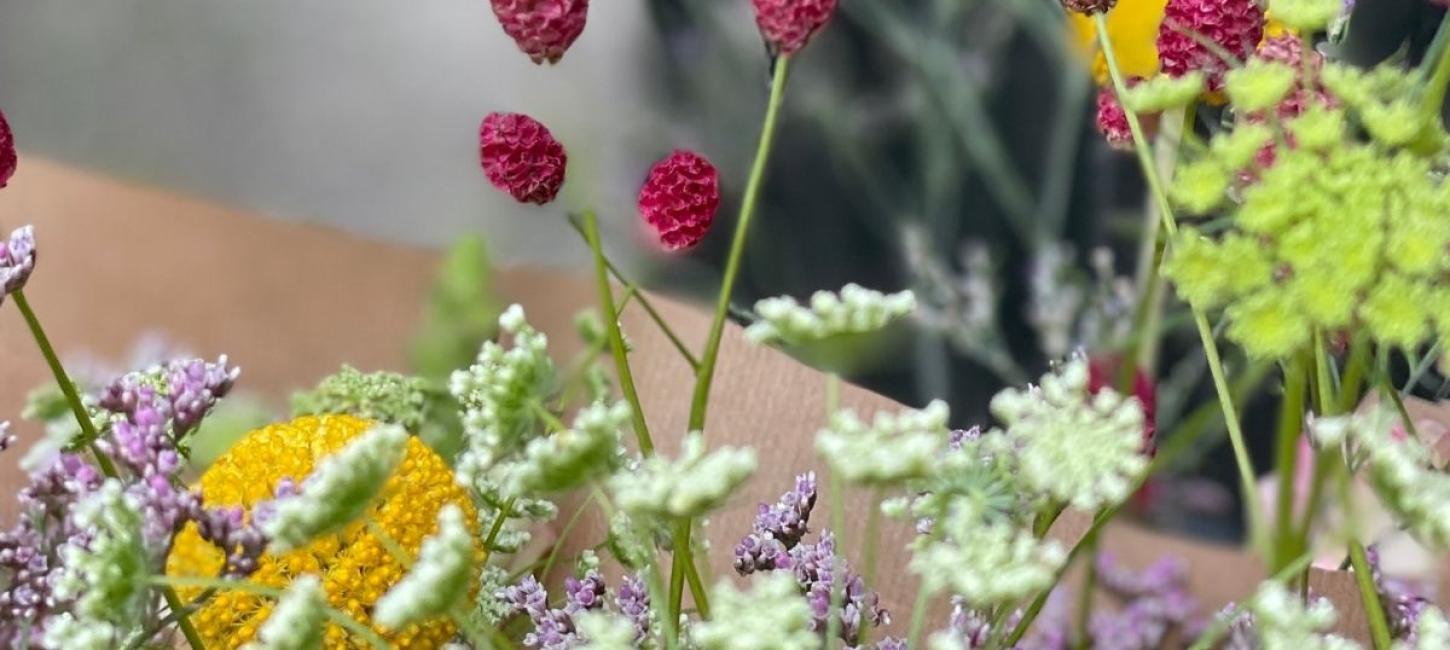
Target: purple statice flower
<point>815,567</point>
<point>227,529</point>
<point>528,596</point>
<point>1404,600</point>
<point>778,528</point>
<point>959,437</point>
<point>194,387</point>
<point>1243,633</point>
<point>632,600</point>
<point>1155,602</point>
<point>583,594</point>
<point>17,260</point>
<point>890,643</point>
<point>1049,631</point>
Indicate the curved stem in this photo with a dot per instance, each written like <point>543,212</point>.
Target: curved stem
<point>616,339</point>
<point>1291,417</point>
<point>1205,332</point>
<point>1379,629</point>
<point>737,246</point>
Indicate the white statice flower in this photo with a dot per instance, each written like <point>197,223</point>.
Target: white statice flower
<point>1432,632</point>
<point>1399,468</point>
<point>103,571</point>
<point>772,615</point>
<point>855,310</point>
<point>298,621</point>
<point>601,630</point>
<point>689,486</point>
<point>1055,298</point>
<point>439,578</point>
<point>500,394</point>
<point>1284,622</point>
<point>988,562</point>
<point>339,489</point>
<point>570,458</point>
<point>894,447</point>
<point>1077,447</point>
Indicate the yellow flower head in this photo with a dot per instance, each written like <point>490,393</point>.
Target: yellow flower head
<point>355,568</point>
<point>1133,26</point>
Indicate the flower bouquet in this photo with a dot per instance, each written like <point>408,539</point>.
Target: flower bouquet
<point>558,493</point>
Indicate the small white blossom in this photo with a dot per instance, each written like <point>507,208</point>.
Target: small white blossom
<point>1284,622</point>
<point>893,448</point>
<point>855,310</point>
<point>771,616</point>
<point>992,563</point>
<point>1399,468</point>
<point>690,486</point>
<point>299,619</point>
<point>104,571</point>
<point>599,630</point>
<point>339,489</point>
<point>438,579</point>
<point>1432,632</point>
<point>573,457</point>
<point>1077,447</point>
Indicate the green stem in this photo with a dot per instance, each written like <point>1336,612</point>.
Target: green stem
<point>872,543</point>
<point>737,246</point>
<point>1205,332</point>
<point>1085,603</point>
<point>918,616</point>
<point>1379,628</point>
<point>1352,381</point>
<point>644,302</point>
<point>564,535</point>
<point>616,339</point>
<point>680,570</point>
<point>1291,416</point>
<point>838,569</point>
<point>497,527</point>
<point>1439,79</point>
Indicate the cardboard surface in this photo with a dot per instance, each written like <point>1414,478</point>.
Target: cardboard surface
<point>291,303</point>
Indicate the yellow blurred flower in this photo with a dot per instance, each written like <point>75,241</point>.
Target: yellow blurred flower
<point>354,567</point>
<point>1133,28</point>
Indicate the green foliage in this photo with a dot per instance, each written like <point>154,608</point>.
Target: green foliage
<point>462,311</point>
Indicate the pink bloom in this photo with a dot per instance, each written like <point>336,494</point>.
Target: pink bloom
<point>679,199</point>
<point>788,24</point>
<point>544,29</point>
<point>521,157</point>
<point>7,152</point>
<point>1113,120</point>
<point>1236,26</point>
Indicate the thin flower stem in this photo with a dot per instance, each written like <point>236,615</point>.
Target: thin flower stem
<point>1257,532</point>
<point>644,302</point>
<point>1439,78</point>
<point>838,565</point>
<point>616,339</point>
<point>1291,417</point>
<point>564,535</point>
<point>88,429</point>
<point>1080,636</point>
<point>918,616</point>
<point>1379,628</point>
<point>497,527</point>
<point>873,537</point>
<point>701,398</point>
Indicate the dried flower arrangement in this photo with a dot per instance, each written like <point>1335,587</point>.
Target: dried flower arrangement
<point>1318,244</point>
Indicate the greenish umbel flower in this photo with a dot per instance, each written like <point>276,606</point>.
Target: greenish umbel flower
<point>1164,92</point>
<point>1400,469</point>
<point>855,310</point>
<point>1331,231</point>
<point>1305,16</point>
<point>990,562</point>
<point>689,486</point>
<point>438,578</point>
<point>601,630</point>
<point>575,456</point>
<point>893,447</point>
<point>299,619</point>
<point>340,488</point>
<point>1075,446</point>
<point>1282,620</point>
<point>772,615</point>
<point>1259,84</point>
<point>104,573</point>
<point>377,396</point>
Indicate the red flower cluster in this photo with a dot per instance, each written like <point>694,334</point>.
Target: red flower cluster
<point>1103,373</point>
<point>1113,120</point>
<point>788,24</point>
<point>521,157</point>
<point>544,29</point>
<point>1237,26</point>
<point>8,158</point>
<point>679,199</point>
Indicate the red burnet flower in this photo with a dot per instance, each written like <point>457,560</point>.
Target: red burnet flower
<point>521,157</point>
<point>1103,373</point>
<point>8,158</point>
<point>1236,26</point>
<point>544,29</point>
<point>679,199</point>
<point>788,24</point>
<point>1113,120</point>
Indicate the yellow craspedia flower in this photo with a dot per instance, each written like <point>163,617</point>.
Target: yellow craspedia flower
<point>355,568</point>
<point>1133,26</point>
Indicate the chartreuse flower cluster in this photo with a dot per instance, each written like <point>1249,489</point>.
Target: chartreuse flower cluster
<point>855,310</point>
<point>689,486</point>
<point>1326,230</point>
<point>1399,468</point>
<point>892,448</point>
<point>771,615</point>
<point>379,396</point>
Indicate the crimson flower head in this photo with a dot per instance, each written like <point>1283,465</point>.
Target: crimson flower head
<point>7,151</point>
<point>521,157</point>
<point>788,24</point>
<point>1113,120</point>
<point>679,199</point>
<point>544,29</point>
<point>1103,373</point>
<point>1237,26</point>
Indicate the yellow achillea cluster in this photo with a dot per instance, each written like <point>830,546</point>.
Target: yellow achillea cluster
<point>354,566</point>
<point>1324,230</point>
